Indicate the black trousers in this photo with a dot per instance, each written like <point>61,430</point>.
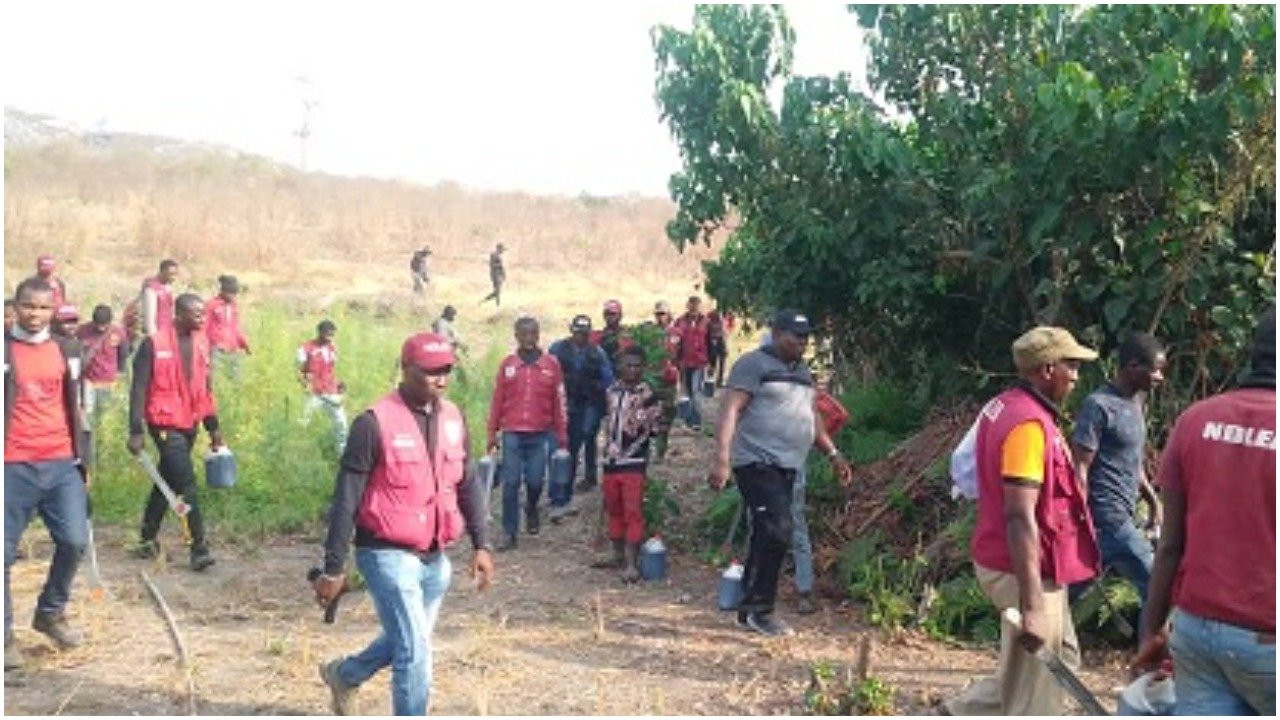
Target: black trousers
<point>175,467</point>
<point>766,494</point>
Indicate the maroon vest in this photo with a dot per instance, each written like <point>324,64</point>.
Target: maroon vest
<point>412,498</point>
<point>1068,546</point>
<point>173,399</point>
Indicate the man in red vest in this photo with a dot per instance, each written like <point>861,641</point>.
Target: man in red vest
<point>407,491</point>
<point>45,463</point>
<point>1033,537</point>
<point>223,327</point>
<point>1215,567</point>
<point>529,412</point>
<point>155,304</point>
<point>172,396</point>
<point>106,355</point>
<point>45,266</point>
<point>318,363</point>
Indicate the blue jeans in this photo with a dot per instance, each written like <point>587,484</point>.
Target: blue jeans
<point>692,379</point>
<point>1221,669</point>
<point>1125,549</point>
<point>524,456</point>
<point>801,548</point>
<point>584,427</point>
<point>407,593</point>
<point>56,490</point>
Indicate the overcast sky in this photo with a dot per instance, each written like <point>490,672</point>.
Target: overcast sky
<point>540,97</point>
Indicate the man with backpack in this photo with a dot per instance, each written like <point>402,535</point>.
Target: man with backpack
<point>46,465</point>
<point>588,373</point>
<point>1033,537</point>
<point>155,303</point>
<point>226,337</point>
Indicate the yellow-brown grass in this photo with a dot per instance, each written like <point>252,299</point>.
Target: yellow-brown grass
<point>110,215</point>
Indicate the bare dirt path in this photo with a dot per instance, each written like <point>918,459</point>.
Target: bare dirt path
<point>553,637</point>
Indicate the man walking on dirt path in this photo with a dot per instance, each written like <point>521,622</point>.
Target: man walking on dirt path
<point>172,395</point>
<point>317,361</point>
<point>45,460</point>
<point>226,337</point>
<point>1215,566</point>
<point>45,266</point>
<point>692,329</point>
<point>588,373</point>
<point>613,337</point>
<point>407,452</point>
<point>418,269</point>
<point>1025,482</point>
<point>768,423</point>
<point>633,412</point>
<point>155,304</point>
<point>717,348</point>
<point>1108,445</point>
<point>497,275</point>
<point>527,413</point>
<point>668,378</point>
<point>106,356</point>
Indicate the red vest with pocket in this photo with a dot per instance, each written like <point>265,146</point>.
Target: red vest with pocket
<point>1068,547</point>
<point>173,399</point>
<point>321,366</point>
<point>411,498</point>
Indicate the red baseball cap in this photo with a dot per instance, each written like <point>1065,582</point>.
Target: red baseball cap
<point>428,351</point>
<point>45,262</point>
<point>613,306</point>
<point>67,313</point>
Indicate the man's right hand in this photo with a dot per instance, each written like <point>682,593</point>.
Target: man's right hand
<point>719,475</point>
<point>134,444</point>
<point>328,587</point>
<point>1035,628</point>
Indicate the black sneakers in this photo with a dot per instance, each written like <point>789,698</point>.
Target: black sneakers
<point>532,523</point>
<point>508,543</point>
<point>56,628</point>
<point>763,623</point>
<point>201,560</point>
<point>145,550</point>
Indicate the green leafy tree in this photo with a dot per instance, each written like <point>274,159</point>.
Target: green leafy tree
<point>1109,169</point>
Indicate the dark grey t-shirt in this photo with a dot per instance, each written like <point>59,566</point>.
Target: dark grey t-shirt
<point>1114,427</point>
<point>776,426</point>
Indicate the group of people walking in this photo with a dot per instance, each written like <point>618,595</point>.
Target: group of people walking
<point>1053,508</point>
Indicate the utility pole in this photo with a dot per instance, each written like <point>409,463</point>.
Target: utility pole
<point>303,133</point>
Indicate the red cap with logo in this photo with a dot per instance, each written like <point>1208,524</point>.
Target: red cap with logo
<point>67,313</point>
<point>428,351</point>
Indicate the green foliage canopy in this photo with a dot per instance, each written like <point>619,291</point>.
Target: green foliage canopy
<point>1109,169</point>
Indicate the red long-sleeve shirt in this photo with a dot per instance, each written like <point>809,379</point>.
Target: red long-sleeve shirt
<point>529,397</point>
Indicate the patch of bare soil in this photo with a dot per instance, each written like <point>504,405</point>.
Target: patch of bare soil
<point>552,637</point>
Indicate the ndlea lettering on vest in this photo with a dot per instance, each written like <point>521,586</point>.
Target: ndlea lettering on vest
<point>1240,435</point>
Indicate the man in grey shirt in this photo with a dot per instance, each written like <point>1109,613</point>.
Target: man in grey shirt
<point>767,425</point>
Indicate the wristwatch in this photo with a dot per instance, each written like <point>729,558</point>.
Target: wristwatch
<point>835,453</point>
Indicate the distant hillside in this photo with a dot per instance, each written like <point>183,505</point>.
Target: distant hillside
<point>110,206</point>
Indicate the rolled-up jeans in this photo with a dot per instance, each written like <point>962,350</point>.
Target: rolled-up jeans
<point>524,457</point>
<point>801,547</point>
<point>407,592</point>
<point>55,489</point>
<point>1222,669</point>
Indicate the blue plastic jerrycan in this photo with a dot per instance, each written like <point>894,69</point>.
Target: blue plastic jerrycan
<point>220,468</point>
<point>653,559</point>
<point>729,594</point>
